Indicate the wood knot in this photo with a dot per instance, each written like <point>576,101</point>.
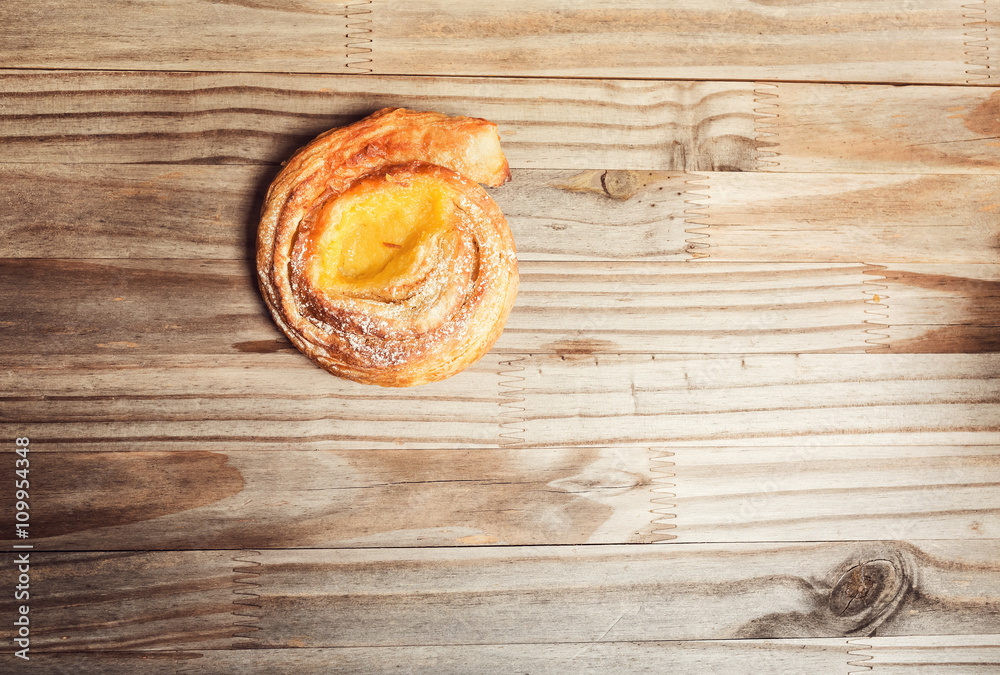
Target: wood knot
<point>621,185</point>
<point>862,586</point>
<point>855,599</point>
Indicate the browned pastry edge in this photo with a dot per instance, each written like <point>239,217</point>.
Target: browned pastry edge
<point>457,152</point>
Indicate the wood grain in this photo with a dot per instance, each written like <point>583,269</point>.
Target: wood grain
<point>210,212</point>
<point>875,41</point>
<point>920,303</point>
<point>799,401</point>
<point>138,500</point>
<point>208,307</point>
<point>870,129</point>
<point>367,498</point>
<point>813,492</point>
<point>282,401</point>
<point>226,118</point>
<point>154,306</point>
<point>509,595</point>
<point>883,218</point>
<point>249,35</point>
<point>152,211</point>
<point>802,655</point>
<point>946,654</point>
<point>581,124</point>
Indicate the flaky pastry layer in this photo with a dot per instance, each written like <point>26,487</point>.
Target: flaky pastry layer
<point>380,256</point>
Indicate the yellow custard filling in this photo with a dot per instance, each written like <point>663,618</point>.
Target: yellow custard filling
<point>380,236</point>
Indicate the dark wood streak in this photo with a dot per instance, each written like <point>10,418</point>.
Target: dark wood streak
<point>976,301</point>
<point>74,494</point>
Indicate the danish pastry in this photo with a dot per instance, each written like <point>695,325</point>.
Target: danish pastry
<point>381,257</point>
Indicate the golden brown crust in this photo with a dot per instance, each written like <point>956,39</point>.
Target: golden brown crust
<point>444,314</point>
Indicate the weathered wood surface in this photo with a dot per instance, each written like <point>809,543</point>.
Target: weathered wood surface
<point>163,306</point>
<point>946,654</point>
<point>876,41</point>
<point>628,481</point>
<point>510,595</point>
<point>883,218</point>
<point>107,211</point>
<point>150,211</point>
<point>825,655</point>
<point>795,400</point>
<point>922,304</point>
<point>645,125</point>
<point>282,401</point>
<point>868,129</point>
<point>506,496</point>
<point>208,307</point>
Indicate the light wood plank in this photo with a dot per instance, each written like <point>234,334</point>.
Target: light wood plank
<point>151,211</point>
<point>905,655</point>
<point>799,401</point>
<point>280,400</point>
<point>137,500</point>
<point>945,654</point>
<point>581,124</point>
<point>826,655</point>
<point>264,35</point>
<point>267,400</point>
<point>350,498</point>
<point>875,41</point>
<point>921,304</point>
<point>226,118</point>
<point>883,218</point>
<point>510,595</point>
<point>208,307</point>
<point>870,128</point>
<point>210,212</point>
<point>813,492</point>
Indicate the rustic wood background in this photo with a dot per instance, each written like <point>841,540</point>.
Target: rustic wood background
<point>745,415</point>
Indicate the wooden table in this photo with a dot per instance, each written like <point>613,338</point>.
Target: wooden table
<point>744,417</point>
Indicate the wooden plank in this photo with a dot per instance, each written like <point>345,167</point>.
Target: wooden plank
<point>812,492</point>
<point>182,34</point>
<point>782,400</point>
<point>138,500</point>
<point>210,307</point>
<point>883,218</point>
<point>905,655</point>
<point>945,654</point>
<point>128,401</point>
<point>872,129</point>
<point>151,211</point>
<point>509,595</point>
<point>937,308</point>
<point>271,400</point>
<point>226,118</point>
<point>877,41</point>
<point>349,498</point>
<point>826,655</point>
<point>210,212</point>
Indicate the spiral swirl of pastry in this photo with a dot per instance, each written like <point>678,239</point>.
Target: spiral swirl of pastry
<point>380,256</point>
